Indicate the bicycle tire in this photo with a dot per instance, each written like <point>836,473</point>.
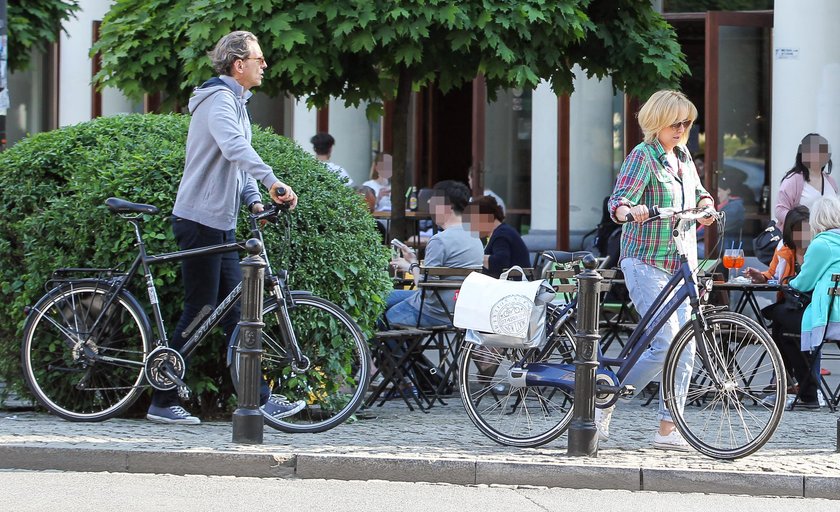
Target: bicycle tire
<point>69,380</point>
<point>731,420</point>
<point>525,417</point>
<point>333,390</point>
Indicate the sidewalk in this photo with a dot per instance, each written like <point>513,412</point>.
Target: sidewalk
<point>441,446</point>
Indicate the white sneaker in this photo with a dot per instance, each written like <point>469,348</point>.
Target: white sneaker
<point>673,441</point>
<point>602,422</point>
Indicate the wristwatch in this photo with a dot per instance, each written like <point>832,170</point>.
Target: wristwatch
<point>251,206</point>
<point>412,266</point>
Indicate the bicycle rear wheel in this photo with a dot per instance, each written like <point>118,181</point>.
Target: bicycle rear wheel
<point>77,368</point>
<point>735,417</point>
<point>334,386</point>
<point>510,415</point>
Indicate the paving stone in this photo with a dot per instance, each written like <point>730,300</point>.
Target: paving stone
<point>803,446</point>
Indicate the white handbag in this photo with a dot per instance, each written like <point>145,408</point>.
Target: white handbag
<point>503,313</point>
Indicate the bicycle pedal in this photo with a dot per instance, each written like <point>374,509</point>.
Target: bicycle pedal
<point>627,390</point>
<point>184,393</point>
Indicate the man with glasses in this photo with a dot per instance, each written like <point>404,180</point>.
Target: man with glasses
<point>221,171</point>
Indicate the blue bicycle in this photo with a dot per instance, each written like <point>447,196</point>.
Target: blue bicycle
<point>525,397</point>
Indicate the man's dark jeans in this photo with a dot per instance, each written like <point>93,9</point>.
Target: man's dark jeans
<point>207,281</point>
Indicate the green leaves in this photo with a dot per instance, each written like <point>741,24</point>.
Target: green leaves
<point>355,49</point>
<point>34,24</point>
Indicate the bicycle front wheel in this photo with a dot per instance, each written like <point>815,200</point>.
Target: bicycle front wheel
<point>735,414</point>
<point>78,368</point>
<point>508,414</point>
<point>335,383</point>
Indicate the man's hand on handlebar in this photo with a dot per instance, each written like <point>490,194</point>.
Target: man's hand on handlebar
<point>283,194</point>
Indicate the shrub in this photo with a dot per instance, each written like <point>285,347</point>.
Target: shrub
<point>53,186</point>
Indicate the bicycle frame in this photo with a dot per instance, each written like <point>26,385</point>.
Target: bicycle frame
<point>145,260</point>
<point>679,288</point>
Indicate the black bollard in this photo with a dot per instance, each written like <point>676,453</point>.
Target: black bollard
<point>583,436</point>
<point>247,418</point>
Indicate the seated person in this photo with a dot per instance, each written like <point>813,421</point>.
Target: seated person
<point>505,247</point>
<point>455,246</point>
<point>785,318</point>
<point>788,256</point>
<point>821,318</point>
<point>732,206</point>
<point>380,181</point>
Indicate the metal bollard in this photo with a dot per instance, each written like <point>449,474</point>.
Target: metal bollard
<point>583,436</point>
<point>247,418</point>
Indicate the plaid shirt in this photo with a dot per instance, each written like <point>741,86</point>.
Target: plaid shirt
<point>647,178</point>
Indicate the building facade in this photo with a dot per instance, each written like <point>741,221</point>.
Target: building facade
<point>761,80</point>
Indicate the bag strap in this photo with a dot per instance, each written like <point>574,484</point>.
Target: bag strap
<point>516,268</point>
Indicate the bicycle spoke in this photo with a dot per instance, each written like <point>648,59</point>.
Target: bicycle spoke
<point>728,419</point>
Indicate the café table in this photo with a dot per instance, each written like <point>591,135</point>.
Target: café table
<point>747,297</point>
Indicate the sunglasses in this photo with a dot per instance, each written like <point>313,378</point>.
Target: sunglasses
<point>685,124</point>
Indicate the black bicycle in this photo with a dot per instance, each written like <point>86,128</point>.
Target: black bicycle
<point>89,349</point>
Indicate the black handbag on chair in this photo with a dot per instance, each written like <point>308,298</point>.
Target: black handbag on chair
<point>794,300</point>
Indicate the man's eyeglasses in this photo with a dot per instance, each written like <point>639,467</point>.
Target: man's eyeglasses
<point>260,60</point>
<point>685,124</point>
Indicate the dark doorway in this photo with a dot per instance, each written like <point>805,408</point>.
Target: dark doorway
<point>445,142</point>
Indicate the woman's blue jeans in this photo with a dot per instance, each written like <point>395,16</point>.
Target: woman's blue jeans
<point>645,282</point>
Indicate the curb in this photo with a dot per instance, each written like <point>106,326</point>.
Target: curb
<point>436,470</point>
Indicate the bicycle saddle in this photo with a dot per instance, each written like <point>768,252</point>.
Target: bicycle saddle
<point>117,205</point>
<point>565,256</point>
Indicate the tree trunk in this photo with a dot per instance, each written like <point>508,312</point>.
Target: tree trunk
<point>399,134</point>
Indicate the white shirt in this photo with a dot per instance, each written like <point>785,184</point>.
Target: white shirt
<point>337,169</point>
<point>810,193</point>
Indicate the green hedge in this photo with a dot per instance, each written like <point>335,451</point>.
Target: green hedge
<point>53,186</point>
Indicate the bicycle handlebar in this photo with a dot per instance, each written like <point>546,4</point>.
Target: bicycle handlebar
<point>270,212</point>
<point>666,212</point>
<point>653,212</point>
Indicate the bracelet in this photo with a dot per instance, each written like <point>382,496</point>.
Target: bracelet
<point>251,206</point>
<point>412,267</point>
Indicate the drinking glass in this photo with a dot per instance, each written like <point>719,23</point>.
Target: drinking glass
<point>733,259</point>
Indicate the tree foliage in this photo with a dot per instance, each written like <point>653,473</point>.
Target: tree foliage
<point>375,50</point>
<point>356,49</point>
<point>33,24</point>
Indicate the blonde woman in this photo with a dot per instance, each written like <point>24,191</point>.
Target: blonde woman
<point>659,171</point>
<point>821,318</point>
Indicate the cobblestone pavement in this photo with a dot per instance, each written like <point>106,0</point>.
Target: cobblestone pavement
<point>804,444</point>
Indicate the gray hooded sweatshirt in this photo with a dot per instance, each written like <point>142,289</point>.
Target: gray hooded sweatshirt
<point>221,166</point>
